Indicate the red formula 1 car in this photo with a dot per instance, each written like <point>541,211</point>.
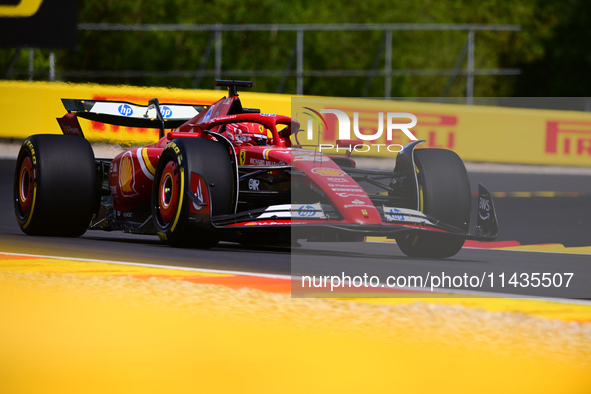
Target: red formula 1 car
<point>225,172</point>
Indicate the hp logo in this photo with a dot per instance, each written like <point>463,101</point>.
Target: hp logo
<point>125,110</point>
<point>307,211</point>
<point>166,112</point>
<point>396,214</point>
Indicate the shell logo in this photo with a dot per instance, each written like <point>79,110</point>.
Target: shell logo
<point>328,171</point>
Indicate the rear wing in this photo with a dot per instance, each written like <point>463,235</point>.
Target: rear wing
<point>123,113</point>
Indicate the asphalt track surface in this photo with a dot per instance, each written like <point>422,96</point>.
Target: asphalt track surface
<point>528,220</point>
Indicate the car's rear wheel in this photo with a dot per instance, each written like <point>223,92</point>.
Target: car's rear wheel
<point>183,162</point>
<point>55,188</point>
<point>444,193</point>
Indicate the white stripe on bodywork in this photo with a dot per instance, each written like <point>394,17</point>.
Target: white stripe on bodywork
<point>145,170</point>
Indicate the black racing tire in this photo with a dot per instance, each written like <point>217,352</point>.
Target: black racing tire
<point>170,212</point>
<point>444,193</point>
<point>55,187</point>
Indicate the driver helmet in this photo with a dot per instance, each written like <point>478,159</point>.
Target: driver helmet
<point>246,133</point>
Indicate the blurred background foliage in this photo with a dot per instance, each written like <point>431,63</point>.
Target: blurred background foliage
<point>552,50</point>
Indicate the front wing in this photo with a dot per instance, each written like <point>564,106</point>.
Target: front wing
<point>321,222</point>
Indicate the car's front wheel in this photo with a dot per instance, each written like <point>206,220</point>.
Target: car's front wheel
<point>191,170</point>
<point>444,193</point>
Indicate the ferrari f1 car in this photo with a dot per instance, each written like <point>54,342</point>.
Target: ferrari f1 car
<point>225,172</point>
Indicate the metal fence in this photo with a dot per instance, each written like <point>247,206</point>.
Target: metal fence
<point>215,44</point>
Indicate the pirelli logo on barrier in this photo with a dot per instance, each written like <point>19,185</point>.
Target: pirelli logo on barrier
<point>372,131</point>
<point>437,129</point>
<point>568,138</point>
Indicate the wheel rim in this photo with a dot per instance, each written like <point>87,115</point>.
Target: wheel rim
<point>25,185</point>
<point>168,192</point>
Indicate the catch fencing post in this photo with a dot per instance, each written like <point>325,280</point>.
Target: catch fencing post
<point>470,79</point>
<point>31,64</point>
<point>388,66</point>
<point>51,66</point>
<point>218,53</point>
<point>300,62</point>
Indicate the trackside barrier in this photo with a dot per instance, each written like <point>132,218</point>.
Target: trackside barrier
<point>476,133</point>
